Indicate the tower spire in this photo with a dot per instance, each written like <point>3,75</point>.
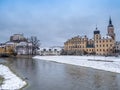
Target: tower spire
<point>110,22</point>
<point>96,27</point>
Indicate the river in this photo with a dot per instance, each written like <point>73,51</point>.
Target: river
<point>45,75</point>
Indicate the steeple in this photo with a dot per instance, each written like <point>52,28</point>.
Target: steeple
<point>110,22</point>
<point>111,29</point>
<point>96,30</point>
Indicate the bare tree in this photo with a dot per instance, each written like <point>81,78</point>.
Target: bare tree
<point>35,44</point>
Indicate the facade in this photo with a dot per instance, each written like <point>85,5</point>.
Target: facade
<point>56,50</point>
<point>17,38</point>
<point>24,48</point>
<point>98,45</point>
<point>18,44</point>
<point>117,48</point>
<point>7,48</point>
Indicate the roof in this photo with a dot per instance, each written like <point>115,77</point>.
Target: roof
<point>52,48</point>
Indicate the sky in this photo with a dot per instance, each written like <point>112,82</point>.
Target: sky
<point>56,21</point>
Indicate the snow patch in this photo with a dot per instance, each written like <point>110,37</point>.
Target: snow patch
<point>111,64</point>
<point>11,81</point>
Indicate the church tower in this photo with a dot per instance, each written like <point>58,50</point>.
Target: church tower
<point>111,29</point>
<point>97,35</point>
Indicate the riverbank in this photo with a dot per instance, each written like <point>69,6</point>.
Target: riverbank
<point>11,81</point>
<point>17,56</point>
<point>111,64</point>
<point>1,80</point>
<point>24,56</point>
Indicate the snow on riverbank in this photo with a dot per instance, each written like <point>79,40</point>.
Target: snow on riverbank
<point>97,62</point>
<point>11,81</point>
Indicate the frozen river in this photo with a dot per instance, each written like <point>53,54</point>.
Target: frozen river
<point>46,75</point>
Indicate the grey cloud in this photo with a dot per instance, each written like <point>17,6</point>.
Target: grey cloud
<point>53,26</point>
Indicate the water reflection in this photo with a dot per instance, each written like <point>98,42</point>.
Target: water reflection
<point>44,75</point>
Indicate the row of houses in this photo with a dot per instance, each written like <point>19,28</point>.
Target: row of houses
<point>55,50</point>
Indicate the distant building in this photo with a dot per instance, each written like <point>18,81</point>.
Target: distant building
<point>17,44</point>
<point>24,48</point>
<point>18,38</point>
<point>117,47</point>
<point>98,45</point>
<point>7,48</point>
<point>56,50</point>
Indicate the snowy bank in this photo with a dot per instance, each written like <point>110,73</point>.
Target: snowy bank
<point>111,64</point>
<point>11,81</point>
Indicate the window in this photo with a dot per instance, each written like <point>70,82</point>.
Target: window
<point>44,49</point>
<point>55,49</point>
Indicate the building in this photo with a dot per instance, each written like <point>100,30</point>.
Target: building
<point>24,48</point>
<point>16,38</point>
<point>56,50</point>
<point>98,45</point>
<point>7,48</point>
<point>18,44</point>
<point>117,47</point>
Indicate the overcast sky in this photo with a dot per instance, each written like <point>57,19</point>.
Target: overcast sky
<point>55,21</point>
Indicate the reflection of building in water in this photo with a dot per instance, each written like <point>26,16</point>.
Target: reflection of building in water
<point>98,45</point>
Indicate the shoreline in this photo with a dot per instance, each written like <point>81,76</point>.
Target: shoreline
<point>11,80</point>
<point>111,64</point>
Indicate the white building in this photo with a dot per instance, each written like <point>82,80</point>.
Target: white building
<point>10,44</point>
<point>56,50</point>
<point>23,48</point>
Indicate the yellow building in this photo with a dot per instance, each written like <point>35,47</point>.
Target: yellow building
<point>99,45</point>
<point>7,49</point>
